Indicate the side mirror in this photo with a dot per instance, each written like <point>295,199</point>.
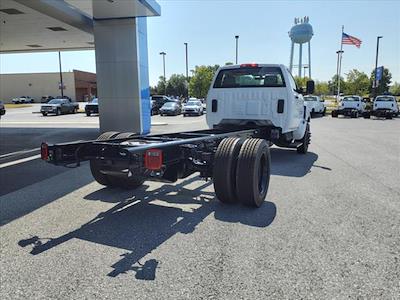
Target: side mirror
<point>310,87</point>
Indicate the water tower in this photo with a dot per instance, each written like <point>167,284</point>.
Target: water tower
<point>301,33</point>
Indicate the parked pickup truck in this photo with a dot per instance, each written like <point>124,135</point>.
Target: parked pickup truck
<point>385,106</point>
<point>249,107</point>
<point>92,107</point>
<point>350,106</point>
<point>315,105</point>
<point>59,106</point>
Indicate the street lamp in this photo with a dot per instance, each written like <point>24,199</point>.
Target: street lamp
<point>61,78</point>
<point>165,79</point>
<point>237,46</point>
<point>376,65</point>
<point>338,70</point>
<point>187,64</point>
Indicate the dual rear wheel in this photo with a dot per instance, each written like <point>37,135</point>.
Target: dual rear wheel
<point>242,171</point>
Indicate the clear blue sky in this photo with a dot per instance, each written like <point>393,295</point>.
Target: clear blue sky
<point>209,26</point>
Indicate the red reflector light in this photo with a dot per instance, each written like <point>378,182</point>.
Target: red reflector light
<point>249,65</point>
<point>44,151</point>
<point>153,159</point>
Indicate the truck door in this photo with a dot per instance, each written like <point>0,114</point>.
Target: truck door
<point>297,98</point>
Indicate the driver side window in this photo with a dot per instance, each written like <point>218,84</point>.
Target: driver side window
<point>292,82</point>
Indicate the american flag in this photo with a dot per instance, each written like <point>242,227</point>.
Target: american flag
<point>350,40</point>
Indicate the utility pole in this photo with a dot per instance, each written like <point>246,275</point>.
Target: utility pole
<point>237,47</point>
<point>375,83</point>
<point>165,79</point>
<point>61,78</point>
<point>187,62</point>
<point>339,53</point>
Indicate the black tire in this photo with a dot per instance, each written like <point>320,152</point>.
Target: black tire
<point>58,112</point>
<point>108,135</point>
<point>224,170</point>
<point>389,116</point>
<point>74,110</point>
<point>366,115</point>
<point>88,113</point>
<point>44,114</point>
<point>184,115</point>
<point>323,112</point>
<point>101,178</point>
<point>305,141</point>
<point>334,114</point>
<point>125,135</point>
<point>253,172</point>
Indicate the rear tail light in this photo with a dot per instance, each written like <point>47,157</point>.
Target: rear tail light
<point>249,65</point>
<point>153,159</point>
<point>44,151</point>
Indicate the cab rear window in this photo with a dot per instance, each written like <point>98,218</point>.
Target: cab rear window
<point>250,77</point>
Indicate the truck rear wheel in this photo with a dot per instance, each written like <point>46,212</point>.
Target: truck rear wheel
<point>108,135</point>
<point>305,141</point>
<point>253,172</point>
<point>224,170</point>
<point>334,114</point>
<point>125,135</point>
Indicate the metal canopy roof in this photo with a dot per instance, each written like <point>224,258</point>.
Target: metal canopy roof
<point>51,25</point>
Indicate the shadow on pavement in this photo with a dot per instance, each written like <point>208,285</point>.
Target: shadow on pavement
<point>59,183</point>
<point>141,221</point>
<point>286,162</point>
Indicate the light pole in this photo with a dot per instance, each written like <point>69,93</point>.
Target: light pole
<point>187,63</point>
<point>338,67</point>
<point>165,79</point>
<point>376,65</point>
<point>237,47</point>
<point>61,78</point>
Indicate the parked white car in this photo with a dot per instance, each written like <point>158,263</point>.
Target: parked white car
<point>192,107</point>
<point>23,99</point>
<point>315,105</point>
<point>260,95</point>
<point>351,106</point>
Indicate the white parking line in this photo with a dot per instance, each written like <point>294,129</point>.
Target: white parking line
<point>18,152</point>
<point>19,161</point>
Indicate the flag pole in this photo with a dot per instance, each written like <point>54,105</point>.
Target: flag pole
<point>339,65</point>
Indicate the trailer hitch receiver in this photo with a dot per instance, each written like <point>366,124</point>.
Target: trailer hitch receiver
<point>153,159</point>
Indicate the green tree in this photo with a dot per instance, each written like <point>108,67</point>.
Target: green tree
<point>333,85</point>
<point>161,85</point>
<point>384,83</point>
<point>177,85</point>
<point>395,89</point>
<point>357,83</point>
<point>201,80</point>
<point>321,88</point>
<point>301,81</point>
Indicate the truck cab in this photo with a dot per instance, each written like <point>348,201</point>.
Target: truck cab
<point>260,95</point>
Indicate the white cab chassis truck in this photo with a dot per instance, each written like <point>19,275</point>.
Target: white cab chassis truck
<point>248,108</point>
<point>384,106</point>
<point>350,106</point>
<point>264,95</point>
<point>315,105</point>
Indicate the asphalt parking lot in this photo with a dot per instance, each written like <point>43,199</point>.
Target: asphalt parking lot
<point>329,227</point>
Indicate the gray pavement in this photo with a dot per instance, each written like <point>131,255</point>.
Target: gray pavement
<point>328,229</point>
